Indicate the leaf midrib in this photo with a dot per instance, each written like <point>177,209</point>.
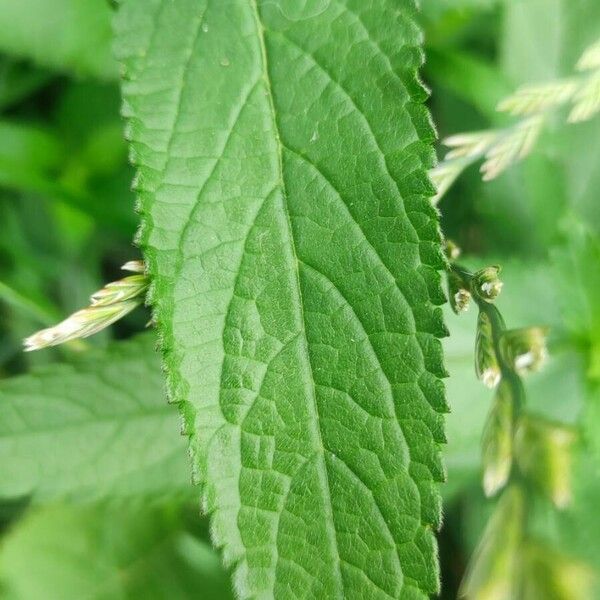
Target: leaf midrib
<point>315,421</point>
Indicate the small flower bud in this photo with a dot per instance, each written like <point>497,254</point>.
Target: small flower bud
<point>551,574</point>
<point>81,324</point>
<point>117,291</point>
<point>493,573</point>
<point>486,362</point>
<point>543,453</point>
<point>134,266</point>
<point>107,305</point>
<point>462,300</point>
<point>451,250</point>
<point>497,441</point>
<point>487,284</point>
<point>459,296</point>
<point>525,348</point>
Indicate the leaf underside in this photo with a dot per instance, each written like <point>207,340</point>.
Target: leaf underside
<point>282,150</point>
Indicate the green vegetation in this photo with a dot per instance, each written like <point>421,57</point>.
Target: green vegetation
<point>293,263</point>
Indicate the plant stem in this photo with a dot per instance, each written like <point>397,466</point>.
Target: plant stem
<point>507,370</point>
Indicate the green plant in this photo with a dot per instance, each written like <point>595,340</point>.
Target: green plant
<point>307,393</point>
<point>535,103</point>
<point>291,258</point>
<point>523,454</point>
<point>519,450</point>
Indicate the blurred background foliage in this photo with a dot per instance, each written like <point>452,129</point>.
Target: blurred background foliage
<point>67,223</point>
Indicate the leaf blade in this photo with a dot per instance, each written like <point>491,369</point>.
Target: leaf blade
<point>280,208</point>
<point>123,550</point>
<point>99,428</point>
<point>66,35</point>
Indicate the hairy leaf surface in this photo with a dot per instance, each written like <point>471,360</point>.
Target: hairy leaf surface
<point>282,150</point>
<point>97,428</point>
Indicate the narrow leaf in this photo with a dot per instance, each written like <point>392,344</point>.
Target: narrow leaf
<point>282,150</point>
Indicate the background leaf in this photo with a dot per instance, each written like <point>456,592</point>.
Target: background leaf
<point>66,35</point>
<point>282,153</point>
<point>95,429</point>
<point>109,553</point>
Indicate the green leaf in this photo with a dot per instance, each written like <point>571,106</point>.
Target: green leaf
<point>97,428</point>
<point>72,36</point>
<point>576,531</point>
<point>578,282</point>
<point>282,149</point>
<point>29,155</point>
<point>108,553</point>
